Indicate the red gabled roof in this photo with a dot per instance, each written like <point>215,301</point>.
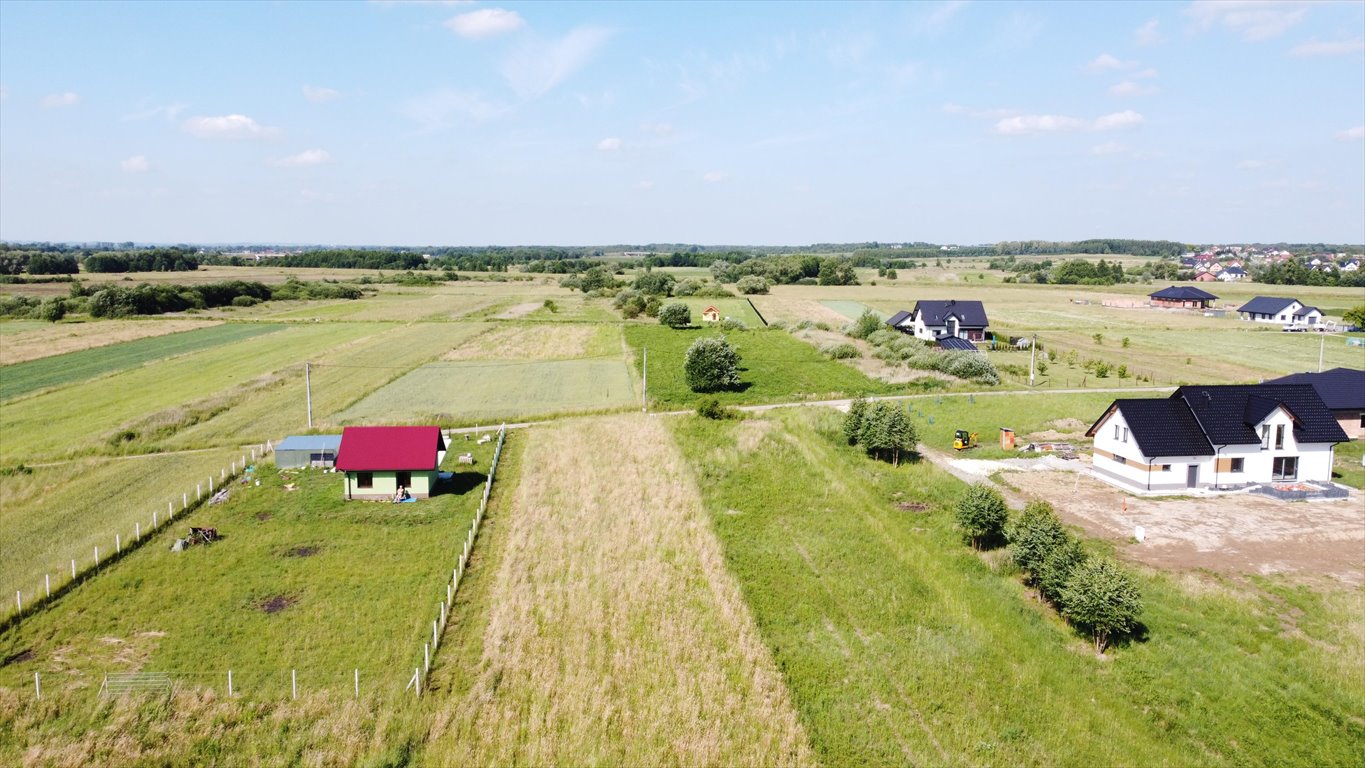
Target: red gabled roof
<point>377,449</point>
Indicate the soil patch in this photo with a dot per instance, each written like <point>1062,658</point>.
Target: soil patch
<point>17,658</point>
<point>305,551</point>
<point>263,516</point>
<point>912,506</point>
<point>518,311</point>
<point>277,603</point>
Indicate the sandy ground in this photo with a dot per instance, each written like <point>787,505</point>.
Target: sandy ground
<point>518,311</point>
<point>869,365</point>
<point>1239,533</point>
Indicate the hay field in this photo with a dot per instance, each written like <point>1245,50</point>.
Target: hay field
<point>539,342</point>
<point>469,392</point>
<point>36,340</point>
<point>616,635</point>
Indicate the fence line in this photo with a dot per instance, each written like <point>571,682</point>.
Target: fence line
<point>25,606</point>
<point>235,682</point>
<point>421,675</point>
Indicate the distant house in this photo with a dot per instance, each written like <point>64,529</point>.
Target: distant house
<point>1205,277</point>
<point>1343,392</point>
<point>1232,274</point>
<point>1183,297</point>
<point>1275,309</point>
<point>902,321</point>
<point>710,314</point>
<point>377,460</point>
<point>1216,436</point>
<point>933,320</point>
<point>298,451</point>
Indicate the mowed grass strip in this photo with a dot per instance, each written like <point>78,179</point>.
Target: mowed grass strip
<point>483,391</point>
<point>33,375</point>
<point>736,308</point>
<point>30,339</point>
<point>540,342</point>
<point>902,646</point>
<point>615,634</point>
<point>774,367</point>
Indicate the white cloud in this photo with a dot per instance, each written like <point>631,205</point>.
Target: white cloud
<point>658,129</point>
<point>1109,148</point>
<point>1130,88</point>
<point>715,177</point>
<point>1124,119</point>
<point>227,127</point>
<point>1105,62</point>
<point>1328,48</point>
<point>135,164</point>
<point>1145,74</point>
<point>645,185</point>
<point>1148,34</point>
<point>1026,124</point>
<point>609,144</point>
<point>485,22</point>
<point>937,20</point>
<point>304,159</point>
<point>1352,134</point>
<point>1251,165</point>
<point>537,67</point>
<point>1022,124</point>
<point>319,95</point>
<point>168,111</point>
<point>1252,19</point>
<point>54,100</point>
<point>436,109</point>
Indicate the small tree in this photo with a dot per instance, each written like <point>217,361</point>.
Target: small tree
<point>1102,598</point>
<point>1355,316</point>
<point>752,284</point>
<point>655,283</point>
<point>1033,535</point>
<point>981,513</point>
<point>853,422</point>
<point>675,315</point>
<point>891,274</point>
<point>867,324</point>
<point>595,279</point>
<point>886,431</point>
<point>711,364</point>
<point>1056,569</point>
<point>52,310</point>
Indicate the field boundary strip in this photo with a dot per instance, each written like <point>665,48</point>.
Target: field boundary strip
<point>189,502</point>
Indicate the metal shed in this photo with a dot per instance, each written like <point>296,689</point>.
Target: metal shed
<point>307,451</point>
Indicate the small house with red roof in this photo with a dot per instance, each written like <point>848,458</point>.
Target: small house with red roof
<point>378,460</point>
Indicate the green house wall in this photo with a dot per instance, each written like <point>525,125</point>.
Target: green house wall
<point>385,485</point>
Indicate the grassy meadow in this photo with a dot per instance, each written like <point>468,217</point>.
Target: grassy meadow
<point>33,339</point>
<point>902,646</point>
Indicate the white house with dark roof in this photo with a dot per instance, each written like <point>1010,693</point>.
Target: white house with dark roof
<point>935,320</point>
<point>1282,311</point>
<point>1216,437</point>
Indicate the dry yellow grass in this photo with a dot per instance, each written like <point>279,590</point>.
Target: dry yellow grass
<point>59,339</point>
<point>538,342</point>
<point>616,635</point>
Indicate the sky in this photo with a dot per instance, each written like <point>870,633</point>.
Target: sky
<point>452,123</point>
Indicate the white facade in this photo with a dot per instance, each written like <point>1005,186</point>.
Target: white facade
<point>953,328</point>
<point>1278,458</point>
<point>1283,317</point>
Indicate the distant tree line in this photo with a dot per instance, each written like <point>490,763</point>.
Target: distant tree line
<point>1293,272</point>
<point>144,260</point>
<point>147,299</point>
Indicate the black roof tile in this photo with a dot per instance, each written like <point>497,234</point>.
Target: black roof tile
<point>969,314</point>
<point>1339,388</point>
<point>1182,293</point>
<point>1224,412</point>
<point>1266,305</point>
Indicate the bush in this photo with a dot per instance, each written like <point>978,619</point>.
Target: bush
<point>752,284</point>
<point>710,408</point>
<point>595,279</point>
<point>867,324</point>
<point>842,352</point>
<point>551,305</point>
<point>1056,569</point>
<point>630,303</point>
<point>1102,598</point>
<point>884,430</point>
<point>656,283</point>
<point>1033,536</point>
<point>687,287</point>
<point>675,315</point>
<point>981,514</point>
<point>853,422</point>
<point>245,301</point>
<point>52,310</point>
<point>711,364</point>
<point>652,306</point>
<point>733,324</point>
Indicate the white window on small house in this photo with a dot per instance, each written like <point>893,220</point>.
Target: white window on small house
<point>1265,436</point>
<point>1279,436</point>
<point>1116,431</point>
<point>1125,434</point>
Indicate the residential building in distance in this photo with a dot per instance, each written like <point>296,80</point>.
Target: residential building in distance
<point>1275,309</point>
<point>1182,297</point>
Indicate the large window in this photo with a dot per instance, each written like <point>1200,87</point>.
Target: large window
<point>1279,436</point>
<point>364,479</point>
<point>1285,468</point>
<point>1235,465</point>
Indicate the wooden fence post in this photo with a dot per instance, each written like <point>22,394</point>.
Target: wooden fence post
<point>47,583</point>
<point>97,557</point>
<point>357,683</point>
<point>426,656</point>
<point>170,510</point>
<point>118,543</point>
<point>154,518</point>
<point>137,531</point>
<point>73,570</point>
<point>229,683</point>
<point>294,682</point>
<point>37,686</point>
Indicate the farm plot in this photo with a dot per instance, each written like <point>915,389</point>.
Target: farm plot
<point>852,310</point>
<point>738,309</point>
<point>780,306</point>
<point>614,634</point>
<point>540,342</point>
<point>53,514</point>
<point>902,646</point>
<point>266,598</point>
<point>26,377</point>
<point>83,417</point>
<point>30,340</point>
<point>484,391</point>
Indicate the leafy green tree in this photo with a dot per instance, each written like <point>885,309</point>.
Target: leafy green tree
<point>1057,567</point>
<point>654,283</point>
<point>886,432</point>
<point>52,264</point>
<point>596,278</point>
<point>1103,598</point>
<point>853,422</point>
<point>675,315</point>
<point>752,284</point>
<point>866,324</point>
<point>711,364</point>
<point>630,303</point>
<point>652,306</point>
<point>1033,535</point>
<point>52,310</point>
<point>723,271</point>
<point>981,514</point>
<point>1355,316</point>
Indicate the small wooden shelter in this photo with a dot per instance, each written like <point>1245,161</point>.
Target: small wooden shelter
<point>710,314</point>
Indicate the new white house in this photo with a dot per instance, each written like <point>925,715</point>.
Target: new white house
<point>1275,309</point>
<point>938,320</point>
<point>1216,437</point>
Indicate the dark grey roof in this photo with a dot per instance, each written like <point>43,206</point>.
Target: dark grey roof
<point>969,314</point>
<point>898,318</point>
<point>1235,270</point>
<point>1266,305</point>
<point>1228,414</point>
<point>1161,427</point>
<point>1306,310</point>
<point>953,342</point>
<point>1182,293</point>
<point>1339,388</point>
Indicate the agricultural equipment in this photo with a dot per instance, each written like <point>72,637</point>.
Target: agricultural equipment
<point>962,440</point>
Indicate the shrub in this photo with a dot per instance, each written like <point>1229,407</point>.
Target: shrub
<point>867,324</point>
<point>853,421</point>
<point>52,310</point>
<point>551,305</point>
<point>1101,369</point>
<point>711,363</point>
<point>245,301</point>
<point>891,274</point>
<point>652,306</point>
<point>752,284</point>
<point>886,431</point>
<point>656,283</point>
<point>1102,598</point>
<point>595,279</point>
<point>842,351</point>
<point>687,287</point>
<point>1098,337</point>
<point>1033,535</point>
<point>630,303</point>
<point>710,408</point>
<point>981,514</point>
<point>675,315</point>
<point>1056,569</point>
<point>733,324</point>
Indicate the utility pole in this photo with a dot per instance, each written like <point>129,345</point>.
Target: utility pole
<point>308,388</point>
<point>644,374</point>
<point>1032,351</point>
<point>1322,342</point>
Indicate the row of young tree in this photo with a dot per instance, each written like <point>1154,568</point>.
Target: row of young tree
<point>147,299</point>
<point>883,429</point>
<point>1090,591</point>
<point>807,269</point>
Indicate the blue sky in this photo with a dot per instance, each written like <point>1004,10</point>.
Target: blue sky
<point>586,123</point>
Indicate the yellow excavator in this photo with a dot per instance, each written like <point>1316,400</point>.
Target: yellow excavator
<point>962,440</point>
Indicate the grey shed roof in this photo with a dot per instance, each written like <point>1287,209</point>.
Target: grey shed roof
<point>898,318</point>
<point>310,443</point>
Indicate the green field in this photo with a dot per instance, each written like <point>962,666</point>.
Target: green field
<point>1347,468</point>
<point>739,309</point>
<point>487,391</point>
<point>774,367</point>
<point>900,645</point>
<point>22,378</point>
<point>852,309</point>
